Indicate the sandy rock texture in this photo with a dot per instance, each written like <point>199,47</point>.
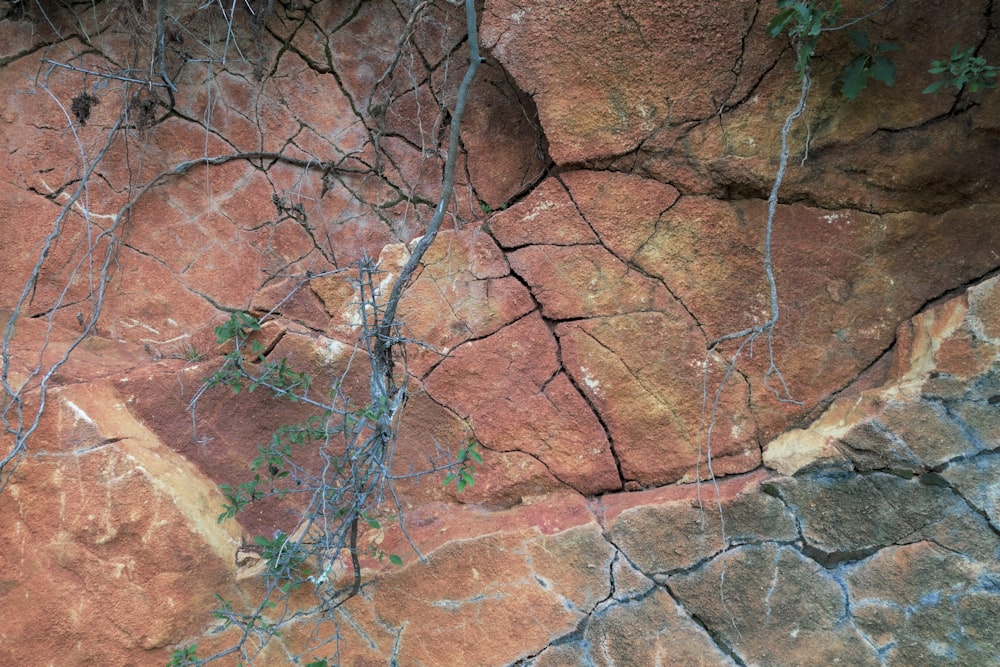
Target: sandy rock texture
<point>652,490</point>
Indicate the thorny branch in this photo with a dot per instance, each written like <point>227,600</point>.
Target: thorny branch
<point>356,445</point>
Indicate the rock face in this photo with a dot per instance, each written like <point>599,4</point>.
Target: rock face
<point>654,489</point>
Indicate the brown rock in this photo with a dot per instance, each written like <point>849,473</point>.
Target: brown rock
<point>547,216</point>
<point>501,134</point>
<point>936,395</point>
<point>755,600</point>
<point>674,528</point>
<point>585,281</point>
<point>605,79</point>
<point>844,154</point>
<point>884,510</point>
<point>511,389</point>
<point>650,630</point>
<point>113,538</point>
<point>915,601</point>
<point>810,247</point>
<point>978,481</point>
<point>464,291</point>
<point>623,209</point>
<point>495,566</point>
<point>644,375</point>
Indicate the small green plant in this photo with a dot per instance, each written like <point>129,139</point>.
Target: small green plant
<point>190,354</point>
<point>487,209</point>
<point>465,461</point>
<point>284,559</point>
<point>804,22</point>
<point>374,550</point>
<point>276,376</point>
<point>871,64</point>
<point>963,69</point>
<point>184,656</point>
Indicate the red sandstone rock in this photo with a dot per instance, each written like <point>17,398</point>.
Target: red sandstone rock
<point>114,549</point>
<point>547,216</point>
<point>585,281</point>
<point>940,352</point>
<point>645,375</point>
<point>510,388</point>
<point>623,209</point>
<point>605,79</point>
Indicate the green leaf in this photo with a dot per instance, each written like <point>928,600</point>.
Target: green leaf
<point>884,70</point>
<point>855,77</point>
<point>860,39</point>
<point>395,560</point>
<point>780,22</point>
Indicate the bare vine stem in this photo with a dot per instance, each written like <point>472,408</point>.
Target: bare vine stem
<point>356,482</point>
<point>748,335</point>
<point>12,414</point>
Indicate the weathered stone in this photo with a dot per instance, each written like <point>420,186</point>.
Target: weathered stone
<point>510,387</point>
<point>627,582</point>
<point>113,538</point>
<point>464,292</point>
<point>884,510</point>
<point>934,406</point>
<point>978,481</point>
<point>771,605</point>
<point>547,216</point>
<point>644,374</point>
<point>649,630</point>
<point>975,409</point>
<point>585,281</point>
<point>671,529</point>
<point>606,79</point>
<point>841,152</point>
<point>906,436</point>
<point>921,604</point>
<point>485,580</point>
<point>500,131</point>
<point>888,203</point>
<point>623,209</point>
<point>804,450</point>
<point>701,237</point>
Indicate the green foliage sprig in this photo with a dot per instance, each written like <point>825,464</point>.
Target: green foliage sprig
<point>873,63</point>
<point>804,23</point>
<point>353,446</point>
<point>466,459</point>
<point>963,69</point>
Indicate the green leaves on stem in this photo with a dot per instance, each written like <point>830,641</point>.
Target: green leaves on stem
<point>871,64</point>
<point>805,21</point>
<point>465,461</point>
<point>962,69</point>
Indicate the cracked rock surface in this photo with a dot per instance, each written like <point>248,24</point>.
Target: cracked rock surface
<point>642,500</point>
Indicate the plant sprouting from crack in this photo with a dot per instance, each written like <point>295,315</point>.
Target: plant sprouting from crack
<point>963,69</point>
